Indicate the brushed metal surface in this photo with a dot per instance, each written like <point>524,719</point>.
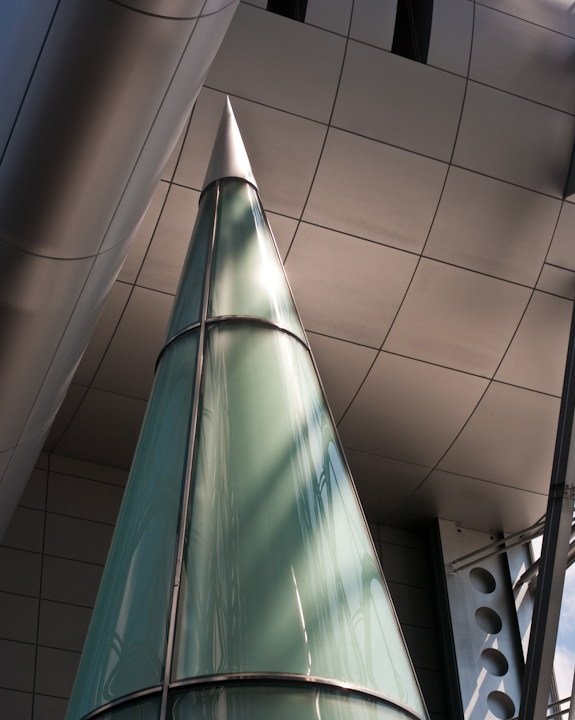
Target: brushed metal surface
<point>91,125</point>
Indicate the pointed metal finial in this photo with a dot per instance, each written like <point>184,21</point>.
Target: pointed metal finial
<point>229,156</point>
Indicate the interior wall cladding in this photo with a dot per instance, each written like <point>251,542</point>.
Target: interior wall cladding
<point>51,563</point>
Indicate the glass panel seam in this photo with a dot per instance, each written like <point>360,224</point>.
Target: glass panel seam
<point>294,679</point>
<point>189,464</point>
<point>120,701</point>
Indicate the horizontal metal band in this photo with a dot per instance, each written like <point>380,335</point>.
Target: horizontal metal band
<point>254,678</point>
<point>231,318</point>
<point>120,701</point>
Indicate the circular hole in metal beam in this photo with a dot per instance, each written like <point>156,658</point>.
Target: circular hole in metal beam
<point>501,705</point>
<point>488,620</point>
<point>494,662</point>
<point>482,580</point>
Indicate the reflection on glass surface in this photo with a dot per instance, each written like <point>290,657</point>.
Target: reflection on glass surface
<point>277,703</point>
<point>188,302</point>
<point>279,571</point>
<point>124,650</point>
<point>247,276</point>
<point>144,709</point>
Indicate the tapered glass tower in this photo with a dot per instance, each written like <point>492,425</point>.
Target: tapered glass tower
<point>242,583</point>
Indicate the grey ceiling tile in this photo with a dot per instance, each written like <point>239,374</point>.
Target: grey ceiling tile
<point>347,287</point>
<point>374,22</point>
<point>257,61</point>
<point>451,30</point>
<point>17,665</point>
<point>77,539</point>
<point>55,671</point>
<point>523,59</point>
<point>63,626</point>
<point>376,191</point>
<point>18,618</point>
<point>283,149</point>
<point>536,358</point>
<point>165,258</point>
<point>283,229</point>
<point>562,250</point>
<point>128,366</point>
<point>475,504</point>
<point>383,484</point>
<point>25,531</point>
<point>49,708</point>
<point>492,227</point>
<point>34,495</point>
<point>557,281</point>
<point>87,470</point>
<point>509,439</point>
<point>143,237</point>
<point>555,15</point>
<point>398,101</point>
<point>83,498</point>
<point>333,15</point>
<point>67,410</point>
<point>20,571</point>
<point>513,139</point>
<point>409,410</point>
<point>457,318</point>
<point>42,461</point>
<point>16,704</point>
<point>103,332</point>
<point>105,429</point>
<point>69,581</point>
<point>342,367</point>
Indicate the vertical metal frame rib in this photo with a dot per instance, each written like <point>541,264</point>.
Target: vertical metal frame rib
<point>189,465</point>
<point>553,562</point>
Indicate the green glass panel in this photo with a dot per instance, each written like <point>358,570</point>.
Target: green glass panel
<point>188,302</point>
<point>125,647</point>
<point>247,275</point>
<point>144,709</point>
<point>279,571</point>
<point>277,703</point>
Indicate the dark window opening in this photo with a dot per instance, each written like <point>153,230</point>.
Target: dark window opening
<point>293,9</point>
<point>412,29</point>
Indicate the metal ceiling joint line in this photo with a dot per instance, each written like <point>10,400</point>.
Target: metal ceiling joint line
<point>95,98</point>
<point>242,572</point>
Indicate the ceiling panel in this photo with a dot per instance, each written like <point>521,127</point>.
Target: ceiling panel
<point>513,139</point>
<point>390,98</point>
<point>165,257</point>
<point>450,40</point>
<point>104,430</point>
<point>556,14</point>
<point>492,227</point>
<point>170,167</point>
<point>128,366</point>
<point>457,318</point>
<point>283,149</point>
<point>376,191</point>
<point>383,484</point>
<point>347,287</point>
<point>283,229</point>
<point>509,439</point>
<point>504,57</point>
<point>475,504</point>
<point>333,15</point>
<point>557,281</point>
<point>409,410</point>
<point>374,22</point>
<point>256,61</point>
<point>140,243</point>
<point>103,332</point>
<point>68,409</point>
<point>342,367</point>
<point>536,357</point>
<point>562,250</point>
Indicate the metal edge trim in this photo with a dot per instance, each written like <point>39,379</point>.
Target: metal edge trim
<point>296,679</point>
<point>230,318</point>
<point>121,701</point>
<point>232,177</point>
<point>188,477</point>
